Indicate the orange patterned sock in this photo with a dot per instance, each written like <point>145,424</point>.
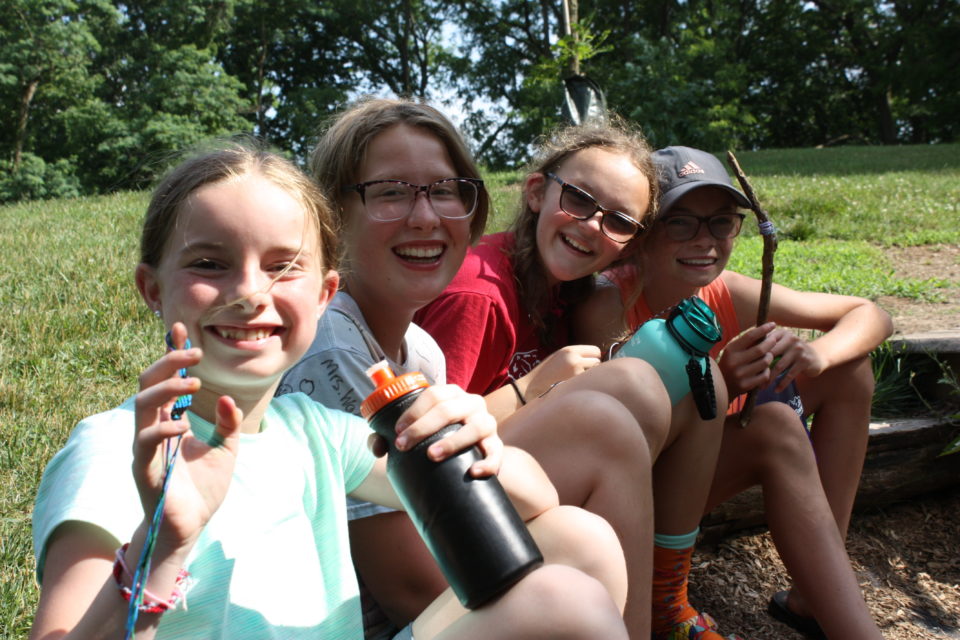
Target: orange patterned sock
<point>670,570</point>
<point>673,617</point>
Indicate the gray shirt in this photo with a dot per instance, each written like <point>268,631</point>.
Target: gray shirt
<point>333,371</point>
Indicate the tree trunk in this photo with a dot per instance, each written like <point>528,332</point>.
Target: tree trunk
<point>888,128</point>
<point>25,99</point>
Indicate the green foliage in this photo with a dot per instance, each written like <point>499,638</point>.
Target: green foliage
<point>894,394</point>
<point>37,180</point>
<point>116,87</point>
<point>505,193</point>
<point>951,379</point>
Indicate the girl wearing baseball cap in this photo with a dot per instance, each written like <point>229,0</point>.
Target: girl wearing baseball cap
<point>808,490</point>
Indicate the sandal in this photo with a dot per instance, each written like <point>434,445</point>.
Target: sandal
<point>804,624</point>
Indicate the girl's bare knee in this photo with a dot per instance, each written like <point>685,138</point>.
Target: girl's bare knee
<point>851,382</point>
<point>777,437</point>
<point>604,428</point>
<point>585,541</point>
<point>566,603</point>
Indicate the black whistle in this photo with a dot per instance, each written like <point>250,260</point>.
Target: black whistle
<point>469,524</point>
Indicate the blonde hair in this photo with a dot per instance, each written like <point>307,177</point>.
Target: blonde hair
<point>613,134</point>
<point>343,148</point>
<point>232,161</point>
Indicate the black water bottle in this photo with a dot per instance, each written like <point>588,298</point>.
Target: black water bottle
<point>473,531</point>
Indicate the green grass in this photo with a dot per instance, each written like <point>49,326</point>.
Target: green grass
<point>73,337</point>
<point>886,196</point>
<point>74,334</point>
<point>852,267</point>
<point>906,196</point>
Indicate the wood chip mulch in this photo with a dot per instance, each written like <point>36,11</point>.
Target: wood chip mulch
<point>906,555</point>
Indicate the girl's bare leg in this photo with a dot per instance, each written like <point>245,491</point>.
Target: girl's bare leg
<point>839,400</point>
<point>554,602</point>
<point>596,454</point>
<point>774,452</point>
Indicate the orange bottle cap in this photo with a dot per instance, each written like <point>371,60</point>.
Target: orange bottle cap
<point>389,387</point>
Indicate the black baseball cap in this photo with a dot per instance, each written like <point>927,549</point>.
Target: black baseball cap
<point>683,169</point>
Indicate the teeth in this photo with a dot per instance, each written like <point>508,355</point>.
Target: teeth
<point>576,245</point>
<point>419,252</point>
<point>699,261</point>
<point>244,334</point>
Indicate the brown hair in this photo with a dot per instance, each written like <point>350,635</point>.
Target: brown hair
<point>613,134</point>
<point>343,148</point>
<point>232,161</point>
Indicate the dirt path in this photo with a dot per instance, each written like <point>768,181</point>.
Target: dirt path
<point>936,261</point>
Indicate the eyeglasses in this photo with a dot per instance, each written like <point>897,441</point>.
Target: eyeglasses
<point>389,200</point>
<point>579,204</point>
<point>683,227</point>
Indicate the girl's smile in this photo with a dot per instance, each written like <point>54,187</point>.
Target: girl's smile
<point>420,254</point>
<point>241,337</point>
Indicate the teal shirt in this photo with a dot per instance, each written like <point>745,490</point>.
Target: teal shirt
<point>274,560</point>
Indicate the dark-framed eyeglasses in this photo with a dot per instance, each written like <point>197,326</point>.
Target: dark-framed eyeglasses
<point>389,200</point>
<point>683,227</point>
<point>577,203</point>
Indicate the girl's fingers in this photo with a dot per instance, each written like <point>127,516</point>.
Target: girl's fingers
<point>147,440</point>
<point>430,397</point>
<point>178,335</point>
<point>229,419</point>
<point>169,365</point>
<point>474,430</point>
<point>153,403</point>
<point>492,448</point>
<point>435,408</point>
<point>378,445</point>
<point>588,351</point>
<point>754,335</point>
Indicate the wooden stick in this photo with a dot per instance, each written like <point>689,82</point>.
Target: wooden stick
<point>769,235</point>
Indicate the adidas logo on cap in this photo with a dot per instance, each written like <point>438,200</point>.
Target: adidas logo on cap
<point>689,169</point>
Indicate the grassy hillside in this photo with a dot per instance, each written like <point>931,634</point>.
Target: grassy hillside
<point>74,335</point>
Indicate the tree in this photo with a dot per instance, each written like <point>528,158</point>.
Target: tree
<point>45,56</point>
<point>500,78</point>
<point>164,90</point>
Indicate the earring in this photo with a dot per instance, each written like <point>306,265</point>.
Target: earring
<point>157,313</point>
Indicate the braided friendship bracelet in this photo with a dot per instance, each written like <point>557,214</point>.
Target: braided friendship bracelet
<point>767,228</point>
<point>155,605</point>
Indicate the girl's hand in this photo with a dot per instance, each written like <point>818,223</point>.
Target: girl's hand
<point>202,471</point>
<point>792,356</point>
<point>560,365</point>
<point>442,405</point>
<point>761,354</point>
<point>745,361</point>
